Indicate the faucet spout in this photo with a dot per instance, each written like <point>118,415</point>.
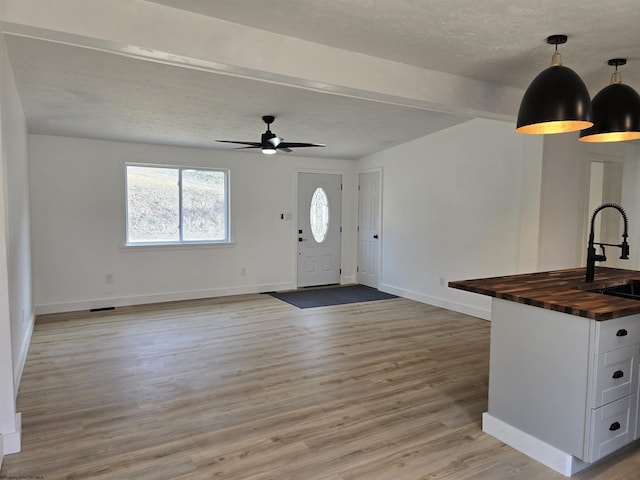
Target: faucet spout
<point>592,256</point>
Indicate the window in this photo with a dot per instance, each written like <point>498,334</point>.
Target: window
<point>176,205</point>
<point>319,215</point>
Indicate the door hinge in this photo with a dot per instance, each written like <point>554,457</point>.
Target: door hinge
<point>340,187</point>
<point>340,271</point>
<point>358,187</point>
<point>357,269</point>
<point>340,229</point>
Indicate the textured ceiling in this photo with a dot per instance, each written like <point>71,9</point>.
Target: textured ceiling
<point>67,89</point>
<point>501,41</point>
<point>73,91</point>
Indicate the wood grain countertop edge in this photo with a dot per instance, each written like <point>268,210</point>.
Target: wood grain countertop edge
<point>563,291</point>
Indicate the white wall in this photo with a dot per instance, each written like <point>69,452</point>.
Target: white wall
<point>78,209</point>
<point>631,202</point>
<point>16,305</point>
<point>479,200</point>
<point>565,200</point>
<point>461,203</point>
<point>565,213</point>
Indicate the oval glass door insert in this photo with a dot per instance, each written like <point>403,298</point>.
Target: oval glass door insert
<point>319,215</point>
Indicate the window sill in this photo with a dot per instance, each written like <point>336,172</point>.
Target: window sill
<point>179,246</point>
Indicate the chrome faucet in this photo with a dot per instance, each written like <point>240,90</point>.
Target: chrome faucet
<point>592,256</point>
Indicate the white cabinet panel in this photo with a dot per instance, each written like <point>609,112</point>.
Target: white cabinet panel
<point>618,333</point>
<point>612,427</point>
<point>615,376</point>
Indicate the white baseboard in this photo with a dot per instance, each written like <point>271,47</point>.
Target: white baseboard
<point>10,442</point>
<point>482,313</point>
<point>22,355</point>
<point>81,305</point>
<point>544,453</point>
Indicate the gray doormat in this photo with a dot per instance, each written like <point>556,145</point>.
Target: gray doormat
<point>323,297</point>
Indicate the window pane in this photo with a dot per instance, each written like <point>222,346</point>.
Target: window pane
<point>203,204</point>
<point>153,204</point>
<point>319,215</point>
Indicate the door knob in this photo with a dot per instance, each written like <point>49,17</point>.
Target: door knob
<point>300,239</point>
<point>375,236</point>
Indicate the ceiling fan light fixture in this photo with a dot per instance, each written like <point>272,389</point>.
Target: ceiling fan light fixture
<point>616,111</point>
<point>269,142</point>
<point>557,100</point>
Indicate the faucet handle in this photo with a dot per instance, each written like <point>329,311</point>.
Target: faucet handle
<point>624,255</point>
<point>593,256</point>
<point>603,257</point>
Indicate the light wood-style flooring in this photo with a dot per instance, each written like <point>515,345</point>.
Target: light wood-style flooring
<point>251,388</point>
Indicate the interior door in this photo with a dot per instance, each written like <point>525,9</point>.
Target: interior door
<point>319,225</point>
<point>369,221</point>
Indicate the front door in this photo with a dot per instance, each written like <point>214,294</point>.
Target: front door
<point>319,225</point>
<point>369,228</point>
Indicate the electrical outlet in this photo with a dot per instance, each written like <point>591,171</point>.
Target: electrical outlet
<point>243,271</point>
<point>108,278</point>
<point>442,281</point>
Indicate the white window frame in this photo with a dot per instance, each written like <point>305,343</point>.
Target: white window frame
<point>181,241</point>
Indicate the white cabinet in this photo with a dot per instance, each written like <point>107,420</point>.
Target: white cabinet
<point>613,386</point>
<point>568,384</point>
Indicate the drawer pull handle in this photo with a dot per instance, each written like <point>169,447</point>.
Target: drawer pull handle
<point>618,374</point>
<point>621,333</point>
<point>614,426</point>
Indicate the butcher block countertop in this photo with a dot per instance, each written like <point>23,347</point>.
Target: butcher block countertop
<point>561,290</point>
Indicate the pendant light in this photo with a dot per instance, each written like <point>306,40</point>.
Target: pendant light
<point>557,101</point>
<point>616,111</point>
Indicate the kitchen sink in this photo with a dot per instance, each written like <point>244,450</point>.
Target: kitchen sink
<point>630,289</point>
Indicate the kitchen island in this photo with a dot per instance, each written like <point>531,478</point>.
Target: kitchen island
<point>563,374</point>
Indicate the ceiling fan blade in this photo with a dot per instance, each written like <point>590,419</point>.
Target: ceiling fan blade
<point>275,141</point>
<point>251,144</point>
<point>284,149</point>
<point>299,145</point>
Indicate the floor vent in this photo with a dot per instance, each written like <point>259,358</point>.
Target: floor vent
<point>102,309</point>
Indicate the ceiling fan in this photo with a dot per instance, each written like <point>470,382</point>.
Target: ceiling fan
<point>270,143</point>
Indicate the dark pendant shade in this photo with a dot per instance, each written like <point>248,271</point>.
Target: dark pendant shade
<point>616,115</point>
<point>557,101</point>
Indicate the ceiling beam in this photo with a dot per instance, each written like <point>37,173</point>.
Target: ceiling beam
<point>162,34</point>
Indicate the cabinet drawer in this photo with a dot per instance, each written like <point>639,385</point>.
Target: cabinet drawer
<point>612,427</point>
<point>615,375</point>
<point>617,333</point>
